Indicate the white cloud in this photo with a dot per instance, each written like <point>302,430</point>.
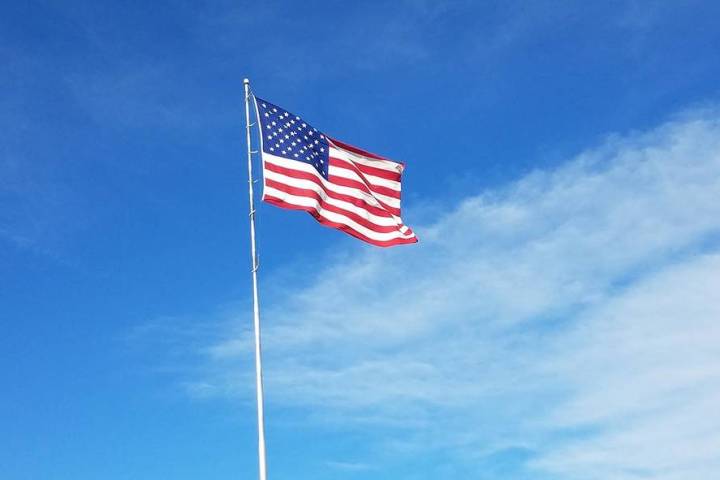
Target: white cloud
<point>644,374</point>
<point>34,207</point>
<point>349,466</point>
<point>572,314</point>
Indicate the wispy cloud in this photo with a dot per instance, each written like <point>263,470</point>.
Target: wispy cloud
<point>643,371</point>
<point>37,210</point>
<point>570,316</point>
<point>348,466</point>
<point>34,209</point>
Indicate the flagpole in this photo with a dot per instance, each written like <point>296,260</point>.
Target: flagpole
<point>262,469</point>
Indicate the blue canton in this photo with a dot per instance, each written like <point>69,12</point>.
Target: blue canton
<point>289,136</point>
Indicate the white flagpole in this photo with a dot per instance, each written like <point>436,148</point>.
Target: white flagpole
<point>262,469</point>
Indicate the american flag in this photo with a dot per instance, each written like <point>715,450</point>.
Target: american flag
<point>342,186</point>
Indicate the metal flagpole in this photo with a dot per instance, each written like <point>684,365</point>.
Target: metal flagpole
<point>262,469</point>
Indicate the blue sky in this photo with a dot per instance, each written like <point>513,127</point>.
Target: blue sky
<point>558,320</point>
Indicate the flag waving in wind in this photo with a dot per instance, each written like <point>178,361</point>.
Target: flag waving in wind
<point>342,186</point>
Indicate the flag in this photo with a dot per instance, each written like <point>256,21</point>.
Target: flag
<point>342,186</point>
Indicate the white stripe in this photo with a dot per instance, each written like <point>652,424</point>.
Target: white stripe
<point>389,165</point>
<point>351,175</point>
<point>371,179</point>
<point>391,221</point>
<point>334,217</point>
<point>371,199</point>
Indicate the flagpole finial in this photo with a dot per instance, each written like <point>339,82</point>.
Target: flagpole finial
<point>246,81</point>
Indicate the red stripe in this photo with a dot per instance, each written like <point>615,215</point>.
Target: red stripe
<point>303,192</point>
<point>379,243</point>
<point>379,172</point>
<point>290,172</point>
<point>375,171</point>
<point>359,151</point>
<point>355,168</point>
<point>349,182</point>
<point>358,202</point>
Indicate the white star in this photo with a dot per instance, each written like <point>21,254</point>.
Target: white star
<point>272,149</point>
<point>274,109</point>
<point>273,122</point>
<point>269,137</point>
<point>267,114</point>
<point>295,155</point>
<point>287,136</point>
<point>304,125</point>
<point>264,106</point>
<point>310,133</point>
<point>282,140</point>
<point>283,152</point>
